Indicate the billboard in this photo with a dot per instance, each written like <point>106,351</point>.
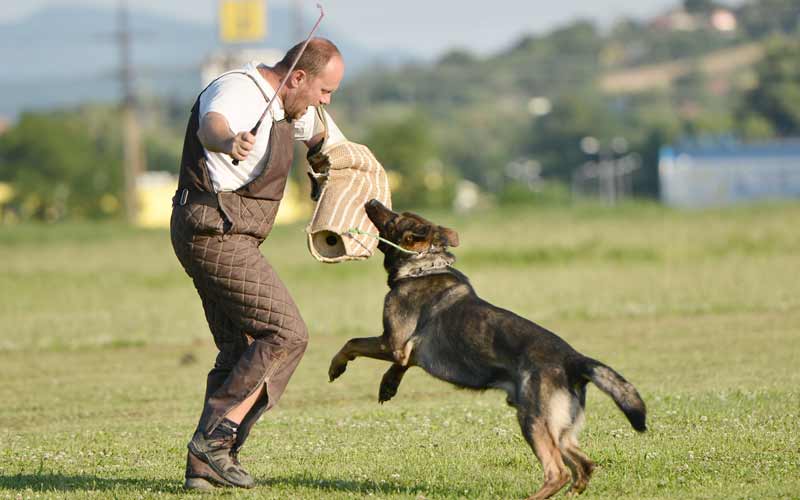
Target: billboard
<point>242,20</point>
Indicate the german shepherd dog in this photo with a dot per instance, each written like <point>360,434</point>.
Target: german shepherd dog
<point>432,318</point>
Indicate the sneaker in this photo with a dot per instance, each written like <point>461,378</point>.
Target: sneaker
<point>200,476</point>
<point>215,451</point>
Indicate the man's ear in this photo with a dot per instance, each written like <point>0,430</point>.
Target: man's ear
<point>449,235</point>
<point>298,77</point>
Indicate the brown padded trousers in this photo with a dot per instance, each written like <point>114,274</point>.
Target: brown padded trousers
<point>254,321</point>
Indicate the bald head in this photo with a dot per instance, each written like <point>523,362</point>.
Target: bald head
<point>314,59</point>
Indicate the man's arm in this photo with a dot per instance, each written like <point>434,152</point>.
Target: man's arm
<point>216,135</point>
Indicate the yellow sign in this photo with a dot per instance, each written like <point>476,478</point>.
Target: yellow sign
<point>242,20</point>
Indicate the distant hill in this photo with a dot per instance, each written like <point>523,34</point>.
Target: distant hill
<point>67,54</point>
<point>638,80</point>
<point>720,63</point>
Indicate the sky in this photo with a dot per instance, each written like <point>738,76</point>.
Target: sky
<point>419,27</point>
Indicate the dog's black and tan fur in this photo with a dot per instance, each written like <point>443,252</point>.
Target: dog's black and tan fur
<point>432,318</point>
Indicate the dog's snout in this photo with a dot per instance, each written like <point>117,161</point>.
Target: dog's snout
<point>378,213</point>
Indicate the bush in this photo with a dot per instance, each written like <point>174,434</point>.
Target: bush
<point>57,169</point>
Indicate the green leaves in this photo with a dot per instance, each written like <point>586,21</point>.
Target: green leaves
<point>776,98</point>
<point>58,168</point>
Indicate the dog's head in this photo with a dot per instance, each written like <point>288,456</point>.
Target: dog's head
<point>409,231</point>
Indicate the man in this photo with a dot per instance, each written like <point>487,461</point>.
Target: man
<point>222,212</point>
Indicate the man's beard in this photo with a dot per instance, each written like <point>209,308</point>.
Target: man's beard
<point>292,111</point>
<point>295,115</point>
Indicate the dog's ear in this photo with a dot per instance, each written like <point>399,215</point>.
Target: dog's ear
<point>449,236</point>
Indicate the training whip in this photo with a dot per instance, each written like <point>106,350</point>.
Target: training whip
<point>254,130</point>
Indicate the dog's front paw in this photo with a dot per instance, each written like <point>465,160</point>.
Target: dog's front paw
<point>388,388</point>
<point>386,392</point>
<point>338,366</point>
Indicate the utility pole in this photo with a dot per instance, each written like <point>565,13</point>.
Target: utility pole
<point>133,159</point>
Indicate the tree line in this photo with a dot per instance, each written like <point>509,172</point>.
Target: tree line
<point>469,117</point>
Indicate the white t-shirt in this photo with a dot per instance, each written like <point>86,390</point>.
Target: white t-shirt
<point>236,97</point>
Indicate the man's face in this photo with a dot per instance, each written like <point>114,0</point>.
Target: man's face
<point>315,90</point>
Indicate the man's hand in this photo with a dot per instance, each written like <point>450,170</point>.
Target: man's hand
<point>216,135</point>
<point>240,145</point>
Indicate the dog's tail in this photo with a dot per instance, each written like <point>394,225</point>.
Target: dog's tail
<point>621,391</point>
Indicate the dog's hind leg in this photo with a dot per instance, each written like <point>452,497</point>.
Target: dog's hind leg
<point>564,414</point>
<point>583,465</point>
<point>534,425</point>
<point>390,382</point>
<point>580,464</point>
<point>370,347</point>
<point>556,475</point>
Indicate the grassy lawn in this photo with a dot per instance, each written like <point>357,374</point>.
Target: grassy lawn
<point>104,351</point>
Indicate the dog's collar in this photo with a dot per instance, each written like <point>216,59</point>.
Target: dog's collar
<point>424,264</point>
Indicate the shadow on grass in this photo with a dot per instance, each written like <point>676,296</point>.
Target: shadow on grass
<point>355,486</point>
<point>54,482</point>
<point>64,482</point>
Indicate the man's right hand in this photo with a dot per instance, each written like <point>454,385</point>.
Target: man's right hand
<point>216,135</point>
<point>241,144</point>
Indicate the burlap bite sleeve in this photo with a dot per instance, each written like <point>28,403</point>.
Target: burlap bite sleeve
<point>354,177</point>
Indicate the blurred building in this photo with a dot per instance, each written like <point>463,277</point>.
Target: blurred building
<point>231,58</point>
<point>675,20</point>
<point>723,20</point>
<point>678,19</point>
<point>714,175</point>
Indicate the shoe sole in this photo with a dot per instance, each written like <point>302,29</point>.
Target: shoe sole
<point>198,484</point>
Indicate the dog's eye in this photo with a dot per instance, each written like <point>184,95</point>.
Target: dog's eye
<point>421,235</point>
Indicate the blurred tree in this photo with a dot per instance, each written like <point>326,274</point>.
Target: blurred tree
<point>755,127</point>
<point>760,18</point>
<point>699,6</point>
<point>480,139</point>
<point>458,57</point>
<point>407,149</point>
<point>554,140</point>
<point>57,169</point>
<point>645,180</point>
<point>164,126</point>
<point>776,97</point>
<point>163,153</point>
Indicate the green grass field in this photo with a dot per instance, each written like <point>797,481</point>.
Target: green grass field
<point>104,351</point>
